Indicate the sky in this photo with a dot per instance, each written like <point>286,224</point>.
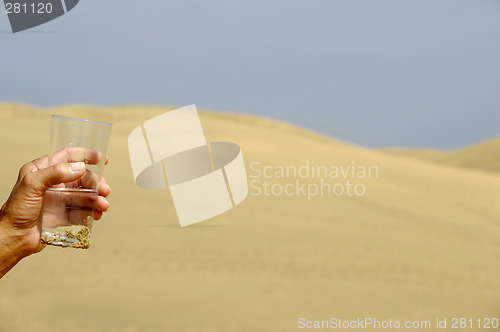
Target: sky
<point>379,73</point>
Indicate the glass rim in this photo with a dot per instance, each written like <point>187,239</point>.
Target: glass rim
<point>80,120</point>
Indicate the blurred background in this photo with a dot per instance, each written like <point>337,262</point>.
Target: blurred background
<point>332,82</point>
<point>375,73</point>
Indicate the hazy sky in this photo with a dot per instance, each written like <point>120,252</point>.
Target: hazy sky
<point>373,72</point>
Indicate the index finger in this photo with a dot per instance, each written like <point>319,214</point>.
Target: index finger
<point>33,166</point>
<point>72,154</point>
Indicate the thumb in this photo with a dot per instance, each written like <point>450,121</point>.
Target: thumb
<point>36,183</point>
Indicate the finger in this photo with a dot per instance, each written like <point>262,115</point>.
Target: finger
<point>103,188</point>
<point>42,162</point>
<point>89,180</point>
<point>75,154</point>
<point>97,215</point>
<point>102,204</point>
<point>36,183</point>
<point>33,166</point>
<point>107,160</point>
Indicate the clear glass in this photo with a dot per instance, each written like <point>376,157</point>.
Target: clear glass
<point>69,208</point>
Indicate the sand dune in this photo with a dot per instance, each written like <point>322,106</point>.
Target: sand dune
<point>422,243</point>
<point>417,154</point>
<point>484,156</point>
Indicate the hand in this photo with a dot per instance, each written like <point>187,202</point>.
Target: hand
<point>20,216</point>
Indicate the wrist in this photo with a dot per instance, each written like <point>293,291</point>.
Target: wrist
<point>12,248</point>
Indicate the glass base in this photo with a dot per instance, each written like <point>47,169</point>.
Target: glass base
<point>76,236</point>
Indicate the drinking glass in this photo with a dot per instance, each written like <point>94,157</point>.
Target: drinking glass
<point>69,208</point>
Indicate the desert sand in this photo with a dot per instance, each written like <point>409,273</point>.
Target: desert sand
<point>482,156</point>
<point>422,243</point>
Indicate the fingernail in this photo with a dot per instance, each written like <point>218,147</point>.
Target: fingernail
<point>77,166</point>
<point>109,188</point>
